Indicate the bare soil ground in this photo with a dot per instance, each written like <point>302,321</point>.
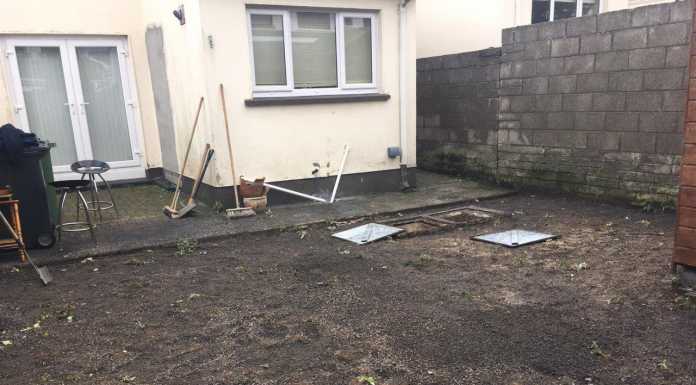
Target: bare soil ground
<point>596,306</point>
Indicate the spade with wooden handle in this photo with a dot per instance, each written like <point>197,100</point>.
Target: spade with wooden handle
<point>43,272</point>
<point>171,209</point>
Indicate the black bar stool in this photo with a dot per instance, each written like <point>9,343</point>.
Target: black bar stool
<point>76,187</point>
<point>93,169</point>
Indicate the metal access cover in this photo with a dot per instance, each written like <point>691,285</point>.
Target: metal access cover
<point>367,233</point>
<point>514,238</point>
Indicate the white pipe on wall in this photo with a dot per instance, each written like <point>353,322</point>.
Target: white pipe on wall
<point>340,173</point>
<point>403,92</point>
<point>403,81</point>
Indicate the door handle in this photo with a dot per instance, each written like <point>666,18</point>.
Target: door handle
<point>83,109</point>
<point>70,106</point>
<point>18,108</point>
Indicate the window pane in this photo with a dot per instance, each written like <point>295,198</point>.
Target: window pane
<point>589,7</point>
<point>564,9</point>
<point>269,50</point>
<point>541,9</point>
<point>358,40</point>
<point>102,88</point>
<point>314,50</point>
<point>46,99</point>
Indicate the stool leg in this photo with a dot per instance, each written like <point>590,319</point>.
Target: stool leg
<point>77,200</point>
<point>59,227</point>
<point>77,206</point>
<point>95,195</point>
<point>89,221</point>
<point>111,195</point>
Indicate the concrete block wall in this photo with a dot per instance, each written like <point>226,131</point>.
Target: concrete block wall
<point>598,104</point>
<point>592,104</point>
<point>457,112</point>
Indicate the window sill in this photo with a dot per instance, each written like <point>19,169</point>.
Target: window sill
<point>318,99</point>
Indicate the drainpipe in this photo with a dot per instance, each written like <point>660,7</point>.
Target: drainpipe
<point>403,92</point>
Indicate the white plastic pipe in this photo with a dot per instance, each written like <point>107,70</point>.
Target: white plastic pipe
<point>340,172</point>
<point>312,197</point>
<point>291,192</point>
<point>403,80</point>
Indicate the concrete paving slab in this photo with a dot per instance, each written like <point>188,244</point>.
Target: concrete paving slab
<point>136,234</point>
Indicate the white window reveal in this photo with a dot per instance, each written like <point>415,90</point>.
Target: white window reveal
<point>308,52</point>
<point>550,10</point>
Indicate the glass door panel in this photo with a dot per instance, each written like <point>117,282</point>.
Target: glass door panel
<point>104,104</point>
<point>46,102</point>
<point>78,94</point>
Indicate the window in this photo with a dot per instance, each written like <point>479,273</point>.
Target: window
<point>550,10</point>
<point>312,52</point>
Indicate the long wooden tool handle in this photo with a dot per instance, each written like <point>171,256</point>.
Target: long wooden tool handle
<point>11,230</point>
<point>229,145</point>
<point>199,176</point>
<point>209,156</point>
<point>188,151</point>
<point>17,238</point>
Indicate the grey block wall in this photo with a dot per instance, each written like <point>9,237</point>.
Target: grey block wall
<point>457,112</point>
<point>592,104</point>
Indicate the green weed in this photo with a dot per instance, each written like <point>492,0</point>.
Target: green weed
<point>186,247</point>
<point>420,263</point>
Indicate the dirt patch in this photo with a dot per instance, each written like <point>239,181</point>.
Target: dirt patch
<point>595,306</point>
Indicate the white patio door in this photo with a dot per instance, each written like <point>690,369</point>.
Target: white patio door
<point>77,93</point>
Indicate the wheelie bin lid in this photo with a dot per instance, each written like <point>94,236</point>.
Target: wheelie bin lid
<point>36,150</point>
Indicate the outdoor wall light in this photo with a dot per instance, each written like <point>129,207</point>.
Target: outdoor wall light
<point>179,14</point>
<point>393,152</point>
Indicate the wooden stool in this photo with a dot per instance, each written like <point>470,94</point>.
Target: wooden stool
<point>11,244</point>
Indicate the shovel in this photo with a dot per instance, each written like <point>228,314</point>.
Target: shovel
<point>43,272</point>
<point>171,209</point>
<point>191,203</point>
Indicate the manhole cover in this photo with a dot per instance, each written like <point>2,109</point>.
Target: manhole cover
<point>367,233</point>
<point>514,238</point>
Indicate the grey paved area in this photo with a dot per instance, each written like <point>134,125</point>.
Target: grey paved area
<point>155,230</point>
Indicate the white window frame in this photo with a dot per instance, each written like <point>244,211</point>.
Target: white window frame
<point>289,88</point>
<point>578,8</point>
<point>289,79</point>
<point>122,169</point>
<point>340,31</point>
